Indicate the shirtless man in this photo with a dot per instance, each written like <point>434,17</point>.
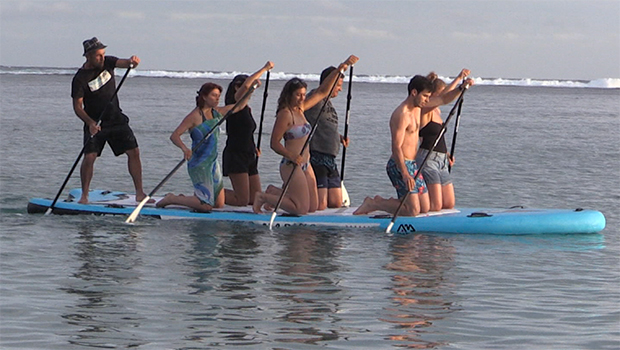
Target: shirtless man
<point>401,167</point>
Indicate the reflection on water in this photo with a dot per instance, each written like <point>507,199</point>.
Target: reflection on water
<point>104,278</point>
<point>223,276</point>
<point>423,293</point>
<point>202,261</point>
<point>307,294</point>
<point>230,286</point>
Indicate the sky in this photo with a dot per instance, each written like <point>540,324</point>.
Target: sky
<point>544,39</point>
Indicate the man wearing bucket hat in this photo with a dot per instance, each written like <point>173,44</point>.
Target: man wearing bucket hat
<point>93,90</point>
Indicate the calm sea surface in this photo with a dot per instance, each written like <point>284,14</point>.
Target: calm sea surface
<point>95,282</point>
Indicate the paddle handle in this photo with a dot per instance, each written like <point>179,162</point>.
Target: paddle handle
<point>262,110</point>
<point>457,123</point>
<point>346,123</point>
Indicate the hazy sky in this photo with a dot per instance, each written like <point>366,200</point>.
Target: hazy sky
<point>507,39</point>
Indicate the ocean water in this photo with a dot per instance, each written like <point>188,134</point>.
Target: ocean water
<point>94,282</point>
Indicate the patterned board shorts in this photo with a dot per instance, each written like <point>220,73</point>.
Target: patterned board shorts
<point>397,178</point>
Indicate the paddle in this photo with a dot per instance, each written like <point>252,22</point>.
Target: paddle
<point>457,122</point>
<point>51,208</point>
<point>439,136</point>
<point>262,111</point>
<point>288,181</point>
<point>346,201</point>
<point>136,212</point>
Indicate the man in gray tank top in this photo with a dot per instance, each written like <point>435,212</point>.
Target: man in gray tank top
<point>325,146</point>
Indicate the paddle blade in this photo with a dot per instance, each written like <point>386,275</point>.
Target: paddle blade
<point>134,215</point>
<point>389,228</point>
<point>346,201</point>
<point>273,217</point>
<point>48,211</point>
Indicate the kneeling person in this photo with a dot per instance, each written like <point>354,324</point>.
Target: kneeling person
<point>325,146</point>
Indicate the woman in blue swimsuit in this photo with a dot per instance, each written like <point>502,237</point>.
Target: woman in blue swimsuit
<point>292,127</point>
<point>202,165</point>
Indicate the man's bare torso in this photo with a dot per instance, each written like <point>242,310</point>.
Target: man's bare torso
<point>407,118</point>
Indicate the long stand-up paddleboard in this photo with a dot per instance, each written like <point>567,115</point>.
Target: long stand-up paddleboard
<point>512,221</point>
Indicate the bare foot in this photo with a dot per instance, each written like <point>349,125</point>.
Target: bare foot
<point>140,197</point>
<point>165,201</point>
<point>259,200</point>
<point>366,207</point>
<point>83,200</point>
<point>271,189</point>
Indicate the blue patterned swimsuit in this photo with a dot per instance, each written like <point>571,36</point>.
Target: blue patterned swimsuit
<point>203,168</point>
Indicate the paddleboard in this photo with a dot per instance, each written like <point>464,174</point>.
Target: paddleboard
<point>511,221</point>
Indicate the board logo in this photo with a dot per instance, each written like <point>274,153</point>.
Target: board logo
<point>405,228</point>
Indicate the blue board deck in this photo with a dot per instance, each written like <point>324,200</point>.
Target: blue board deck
<point>512,221</point>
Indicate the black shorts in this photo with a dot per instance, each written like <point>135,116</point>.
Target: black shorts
<point>119,137</point>
<point>325,170</point>
<point>239,163</point>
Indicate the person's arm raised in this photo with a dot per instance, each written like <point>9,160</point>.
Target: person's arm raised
<point>132,62</point>
<point>323,90</point>
<point>462,75</point>
<point>449,96</point>
<point>248,81</point>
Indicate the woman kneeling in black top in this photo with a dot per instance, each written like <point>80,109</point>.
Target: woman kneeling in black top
<point>240,156</point>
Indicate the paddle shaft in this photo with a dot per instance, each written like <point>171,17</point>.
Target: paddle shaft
<point>262,111</point>
<point>77,160</point>
<point>457,123</point>
<point>346,123</point>
<point>288,181</point>
<point>136,211</point>
<point>417,174</point>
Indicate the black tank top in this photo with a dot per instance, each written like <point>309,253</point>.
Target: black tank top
<point>240,128</point>
<point>428,134</point>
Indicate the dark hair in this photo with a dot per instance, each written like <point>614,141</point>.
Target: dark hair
<point>325,73</point>
<point>436,83</point>
<point>205,90</point>
<point>419,84</point>
<point>233,87</point>
<point>287,92</point>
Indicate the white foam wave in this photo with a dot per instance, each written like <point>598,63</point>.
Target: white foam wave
<point>604,83</point>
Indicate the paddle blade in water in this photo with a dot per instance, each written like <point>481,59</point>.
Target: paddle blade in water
<point>134,215</point>
<point>273,217</point>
